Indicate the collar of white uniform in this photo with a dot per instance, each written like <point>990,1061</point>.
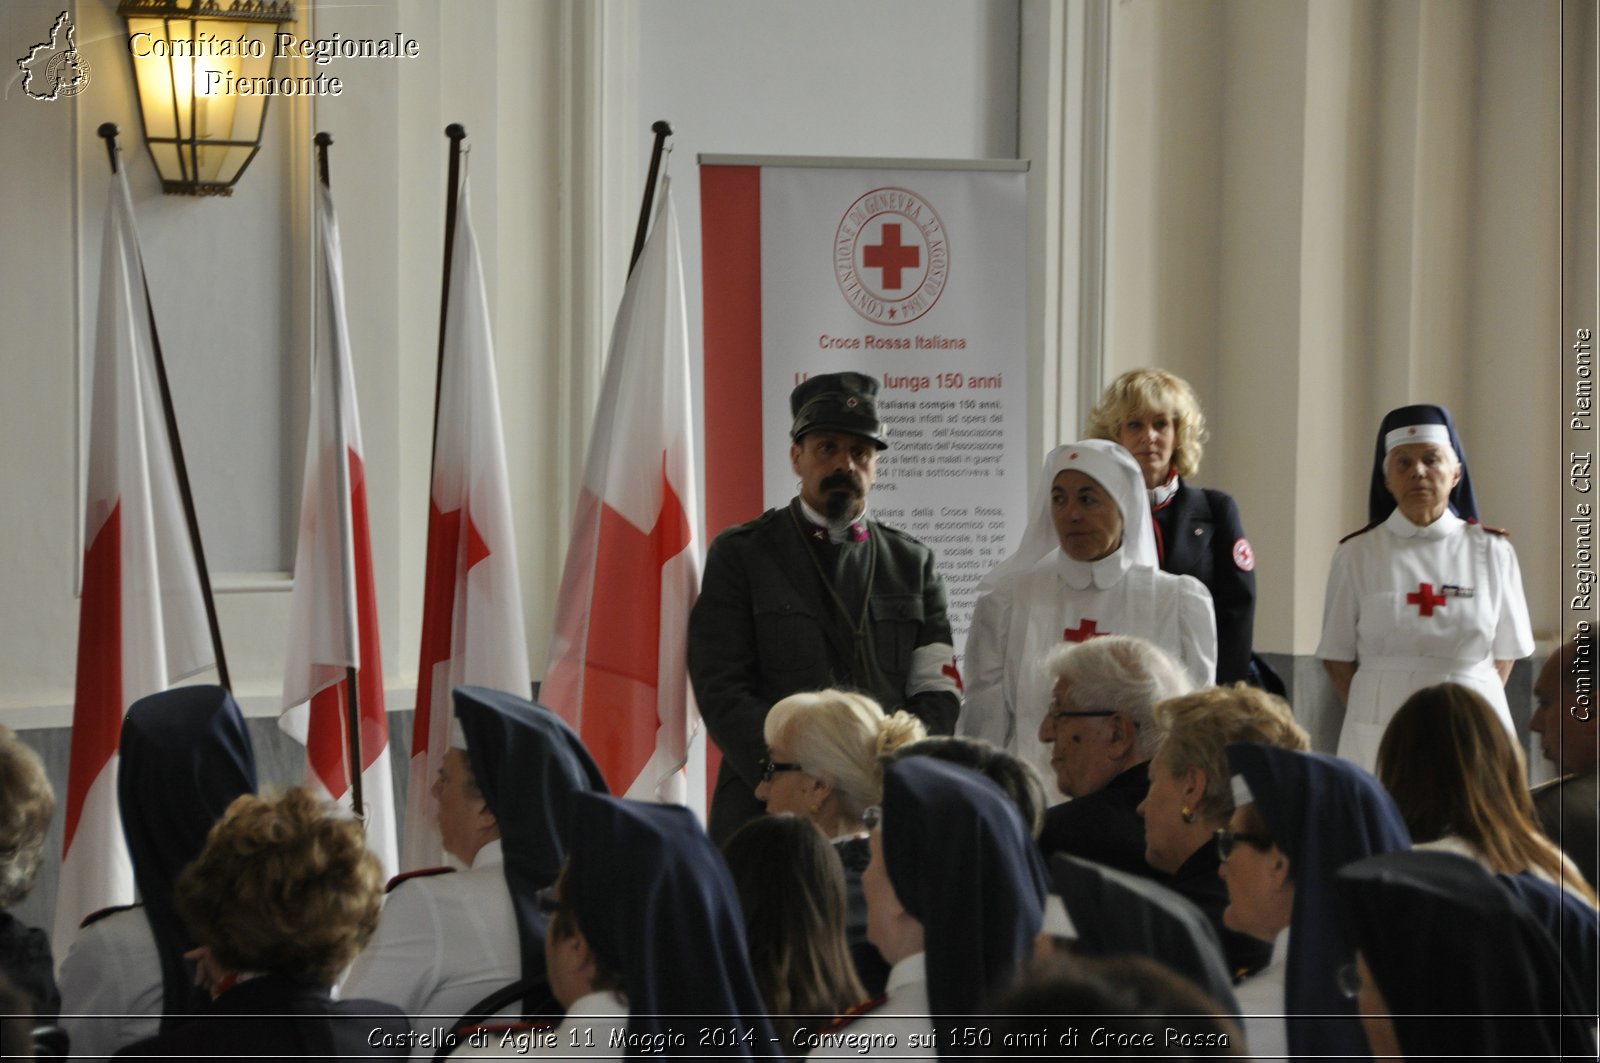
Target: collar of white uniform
<point>601,1004</point>
<point>851,531</point>
<point>1162,494</point>
<point>909,971</point>
<point>1399,525</point>
<point>1101,574</point>
<point>491,855</point>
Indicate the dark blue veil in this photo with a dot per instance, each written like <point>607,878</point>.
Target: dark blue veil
<point>656,904</point>
<point>185,755</point>
<point>1380,503</point>
<point>528,764</point>
<point>1323,812</point>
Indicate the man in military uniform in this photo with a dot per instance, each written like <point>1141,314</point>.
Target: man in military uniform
<point>1569,731</point>
<point>817,595</point>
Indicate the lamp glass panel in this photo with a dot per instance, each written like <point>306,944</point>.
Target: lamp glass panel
<point>153,72</point>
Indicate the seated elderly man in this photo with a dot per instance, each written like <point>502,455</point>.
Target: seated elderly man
<point>1569,731</point>
<point>1103,735</point>
<point>472,944</point>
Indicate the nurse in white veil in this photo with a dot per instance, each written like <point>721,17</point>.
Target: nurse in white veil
<point>1087,566</point>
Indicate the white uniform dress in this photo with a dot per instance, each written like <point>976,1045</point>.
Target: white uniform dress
<point>1413,607</point>
<point>111,989</point>
<point>889,1029</point>
<point>1038,598</point>
<point>589,1031</point>
<point>443,944</point>
<point>1061,600</point>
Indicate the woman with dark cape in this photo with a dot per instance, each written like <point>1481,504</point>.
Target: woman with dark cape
<point>1452,965</point>
<point>185,755</point>
<point>653,901</point>
<point>1319,813</point>
<point>955,900</point>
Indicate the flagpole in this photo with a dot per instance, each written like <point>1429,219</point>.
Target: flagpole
<point>342,465</point>
<point>457,133</point>
<point>109,131</point>
<point>662,130</point>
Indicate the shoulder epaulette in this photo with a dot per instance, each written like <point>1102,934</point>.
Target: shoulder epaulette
<point>421,872</point>
<point>749,525</point>
<point>104,913</point>
<point>1490,528</point>
<point>1361,531</point>
<point>855,1013</point>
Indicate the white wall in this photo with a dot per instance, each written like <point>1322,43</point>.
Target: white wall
<point>889,79</point>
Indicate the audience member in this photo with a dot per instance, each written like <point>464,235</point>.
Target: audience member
<point>955,899</point>
<point>1190,797</point>
<point>1109,1007</point>
<point>824,762</point>
<point>1107,912</point>
<point>26,804</point>
<point>1102,733</point>
<point>184,757</point>
<point>1449,965</point>
<point>791,889</point>
<point>1299,817</point>
<point>1460,782</point>
<point>1015,776</point>
<point>1086,567</point>
<point>1569,806</point>
<point>646,944</point>
<point>280,900</point>
<point>450,946</point>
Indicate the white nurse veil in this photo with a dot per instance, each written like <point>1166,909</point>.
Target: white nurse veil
<point>1114,469</point>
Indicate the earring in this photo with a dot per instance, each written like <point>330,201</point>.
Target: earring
<point>1187,813</point>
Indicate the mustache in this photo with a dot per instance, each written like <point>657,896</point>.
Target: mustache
<point>841,481</point>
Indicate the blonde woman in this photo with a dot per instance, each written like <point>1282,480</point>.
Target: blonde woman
<point>824,764</point>
<point>1157,419</point>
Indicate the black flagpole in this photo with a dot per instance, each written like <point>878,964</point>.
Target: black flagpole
<point>457,133</point>
<point>108,130</point>
<point>351,676</point>
<point>662,130</point>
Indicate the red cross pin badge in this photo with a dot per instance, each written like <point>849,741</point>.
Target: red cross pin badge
<point>1425,599</point>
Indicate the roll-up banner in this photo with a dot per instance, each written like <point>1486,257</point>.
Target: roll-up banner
<point>913,271</point>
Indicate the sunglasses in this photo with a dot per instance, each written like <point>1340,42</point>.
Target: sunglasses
<point>1227,839</point>
<point>769,768</point>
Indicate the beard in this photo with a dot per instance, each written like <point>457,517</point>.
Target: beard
<point>840,492</point>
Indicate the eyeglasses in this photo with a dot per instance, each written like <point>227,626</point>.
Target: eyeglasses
<point>1349,979</point>
<point>1056,715</point>
<point>872,817</point>
<point>1227,839</point>
<point>769,768</point>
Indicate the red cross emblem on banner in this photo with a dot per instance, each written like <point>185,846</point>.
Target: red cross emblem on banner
<point>891,256</point>
<point>1425,600</point>
<point>1085,631</point>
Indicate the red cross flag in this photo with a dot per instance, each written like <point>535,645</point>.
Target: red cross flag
<point>333,614</point>
<point>472,629</point>
<point>617,671</point>
<point>142,622</point>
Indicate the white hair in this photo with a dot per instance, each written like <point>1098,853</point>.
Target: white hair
<point>1121,673</point>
